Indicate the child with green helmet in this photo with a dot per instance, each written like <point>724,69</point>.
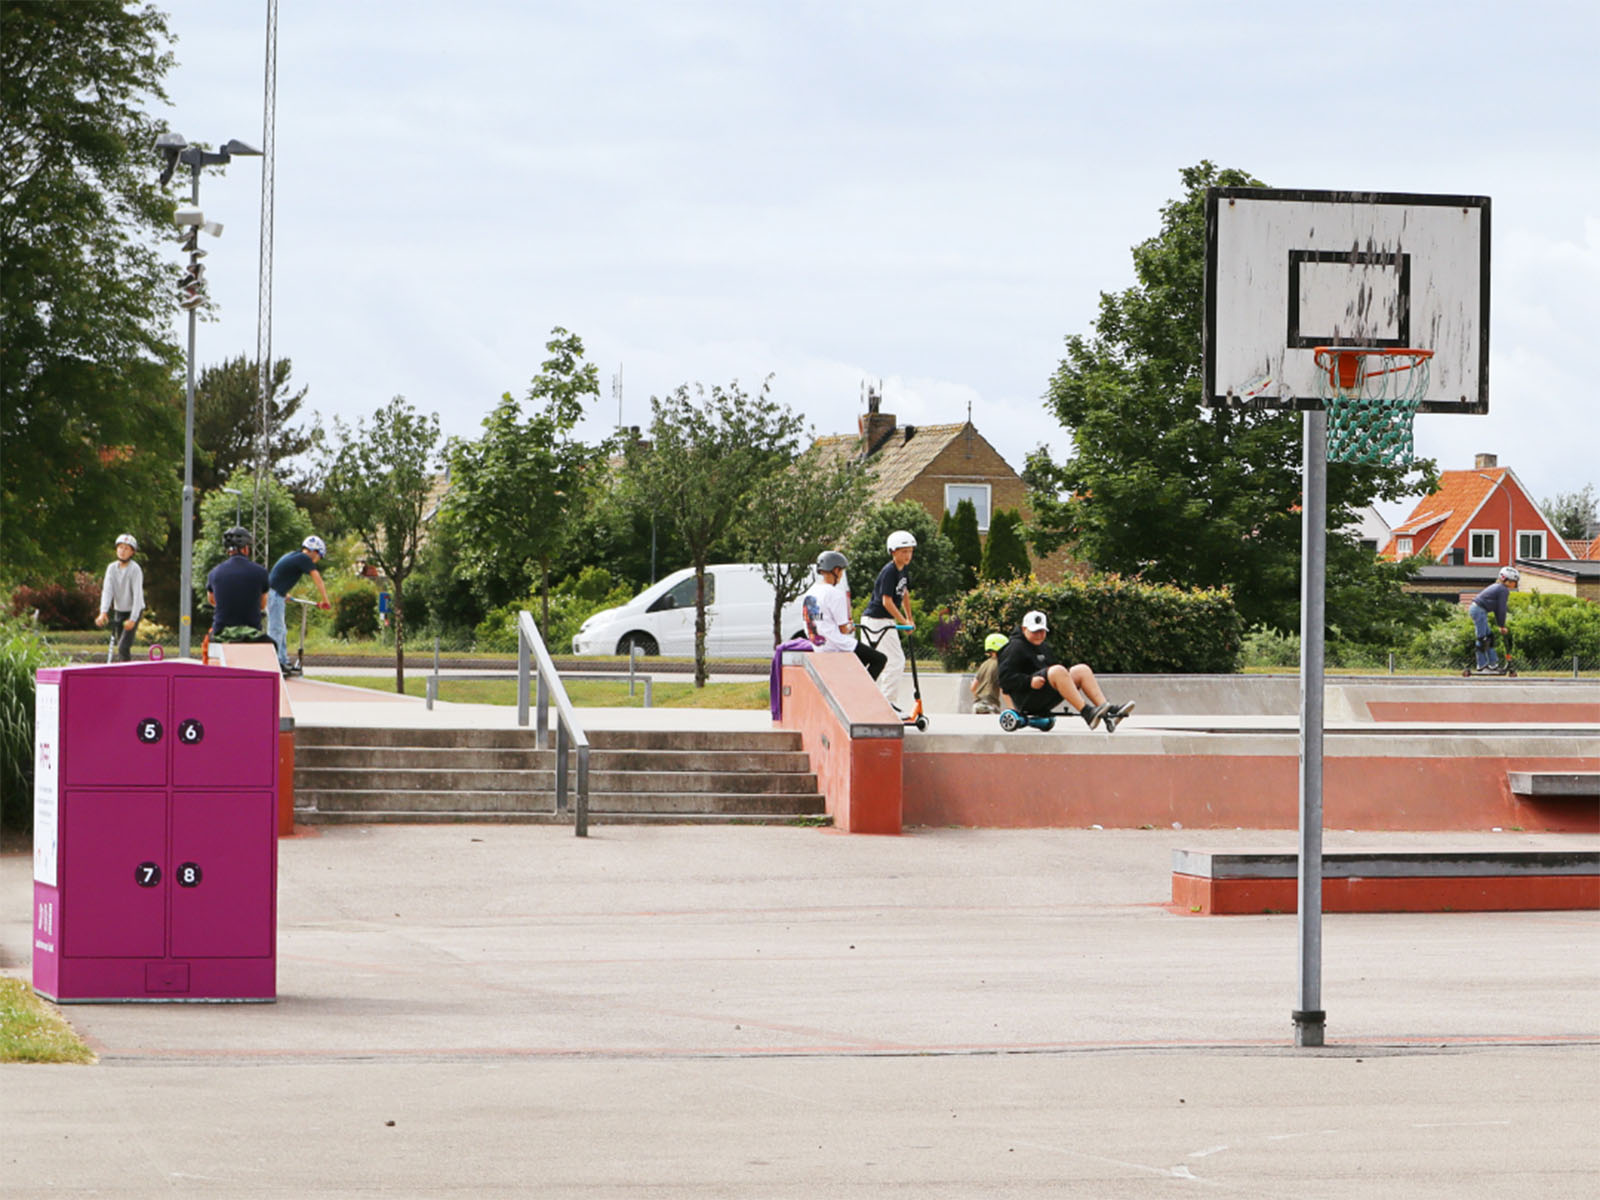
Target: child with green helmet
<point>986,683</point>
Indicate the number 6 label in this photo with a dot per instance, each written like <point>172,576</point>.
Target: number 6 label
<point>191,732</point>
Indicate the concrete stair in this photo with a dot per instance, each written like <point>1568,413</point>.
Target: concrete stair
<point>366,776</point>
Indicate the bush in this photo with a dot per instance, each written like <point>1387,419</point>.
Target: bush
<point>1115,625</point>
<point>60,606</point>
<point>355,611</point>
<point>1267,648</point>
<point>22,653</point>
<point>572,601</point>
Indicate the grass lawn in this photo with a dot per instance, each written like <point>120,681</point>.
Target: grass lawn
<point>31,1031</point>
<point>584,693</point>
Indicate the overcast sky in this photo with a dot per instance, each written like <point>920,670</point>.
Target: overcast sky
<point>926,193</point>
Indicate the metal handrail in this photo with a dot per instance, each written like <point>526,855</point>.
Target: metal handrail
<point>530,646</point>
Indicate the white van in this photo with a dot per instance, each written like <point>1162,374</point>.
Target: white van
<point>660,619</point>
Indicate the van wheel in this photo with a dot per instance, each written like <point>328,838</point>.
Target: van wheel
<point>646,644</point>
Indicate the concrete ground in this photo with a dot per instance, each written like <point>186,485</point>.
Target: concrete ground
<point>791,1012</point>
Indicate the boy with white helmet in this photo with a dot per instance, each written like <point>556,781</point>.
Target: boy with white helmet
<point>891,607</point>
<point>122,595</point>
<point>287,572</point>
<point>1492,601</point>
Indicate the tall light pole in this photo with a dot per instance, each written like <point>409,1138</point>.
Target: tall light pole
<point>1511,524</point>
<point>175,149</point>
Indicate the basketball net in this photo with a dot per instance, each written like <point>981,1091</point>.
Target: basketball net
<point>1371,397</point>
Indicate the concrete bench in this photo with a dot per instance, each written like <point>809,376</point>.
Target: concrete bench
<point>1217,883</point>
<point>1555,784</point>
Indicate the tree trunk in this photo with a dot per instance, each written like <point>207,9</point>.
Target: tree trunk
<point>544,598</point>
<point>399,640</point>
<point>701,674</point>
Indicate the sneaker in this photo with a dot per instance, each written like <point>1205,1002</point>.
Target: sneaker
<point>1118,711</point>
<point>1092,713</point>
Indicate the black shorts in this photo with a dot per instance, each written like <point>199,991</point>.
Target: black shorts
<point>1036,702</point>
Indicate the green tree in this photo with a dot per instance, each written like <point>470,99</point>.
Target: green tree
<point>794,515</point>
<point>706,454</point>
<point>514,491</point>
<point>967,542</point>
<point>379,483</point>
<point>90,411</point>
<point>1004,554</point>
<point>1572,513</point>
<point>218,511</point>
<point>227,424</point>
<point>935,573</point>
<point>1160,488</point>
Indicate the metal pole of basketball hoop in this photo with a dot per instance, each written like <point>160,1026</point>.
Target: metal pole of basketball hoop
<point>1309,1018</point>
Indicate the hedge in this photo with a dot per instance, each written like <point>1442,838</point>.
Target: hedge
<point>1116,625</point>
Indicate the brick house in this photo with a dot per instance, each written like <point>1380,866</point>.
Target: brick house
<point>938,466</point>
<point>1481,518</point>
<point>1479,521</point>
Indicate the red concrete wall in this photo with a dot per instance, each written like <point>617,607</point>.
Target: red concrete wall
<point>1483,893</point>
<point>860,777</point>
<point>1054,790</point>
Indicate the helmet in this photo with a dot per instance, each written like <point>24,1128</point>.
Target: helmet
<point>127,539</point>
<point>1510,574</point>
<point>831,560</point>
<point>237,538</point>
<point>995,641</point>
<point>315,543</point>
<point>901,539</point>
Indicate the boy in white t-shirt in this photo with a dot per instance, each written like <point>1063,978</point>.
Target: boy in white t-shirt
<point>826,606</point>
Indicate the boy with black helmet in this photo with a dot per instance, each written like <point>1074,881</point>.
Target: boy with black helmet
<point>236,588</point>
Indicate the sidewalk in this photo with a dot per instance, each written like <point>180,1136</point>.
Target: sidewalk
<point>510,1011</point>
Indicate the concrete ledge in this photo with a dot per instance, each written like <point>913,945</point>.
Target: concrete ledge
<point>853,739</point>
<point>1585,784</point>
<point>1218,884</point>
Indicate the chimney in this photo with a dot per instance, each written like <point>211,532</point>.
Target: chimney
<point>1486,462</point>
<point>875,426</point>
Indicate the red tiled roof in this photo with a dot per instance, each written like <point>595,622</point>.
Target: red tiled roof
<point>1447,511</point>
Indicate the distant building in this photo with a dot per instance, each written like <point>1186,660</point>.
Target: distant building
<point>938,466</point>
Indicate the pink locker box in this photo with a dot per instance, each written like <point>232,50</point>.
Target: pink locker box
<point>155,851</point>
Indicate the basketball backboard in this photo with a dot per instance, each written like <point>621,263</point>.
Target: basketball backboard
<point>1290,271</point>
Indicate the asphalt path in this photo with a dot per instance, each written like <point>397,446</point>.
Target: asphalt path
<point>790,1012</point>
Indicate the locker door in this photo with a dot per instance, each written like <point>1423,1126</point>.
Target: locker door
<point>115,729</point>
<point>222,868</point>
<point>114,874</point>
<point>224,729</point>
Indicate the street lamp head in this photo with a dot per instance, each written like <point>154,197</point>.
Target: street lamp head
<point>168,145</point>
<point>235,146</point>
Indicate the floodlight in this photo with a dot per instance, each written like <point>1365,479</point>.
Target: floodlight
<point>214,228</point>
<point>188,214</point>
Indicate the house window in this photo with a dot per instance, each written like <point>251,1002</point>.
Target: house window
<point>1530,543</point>
<point>1484,546</point>
<point>1402,547</point>
<point>978,493</point>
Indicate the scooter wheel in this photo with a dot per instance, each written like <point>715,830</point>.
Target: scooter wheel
<point>922,722</point>
<point>1009,721</point>
<point>1511,670</point>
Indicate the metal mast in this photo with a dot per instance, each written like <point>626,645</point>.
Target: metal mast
<point>260,518</point>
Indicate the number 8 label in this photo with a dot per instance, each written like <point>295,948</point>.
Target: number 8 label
<point>189,874</point>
